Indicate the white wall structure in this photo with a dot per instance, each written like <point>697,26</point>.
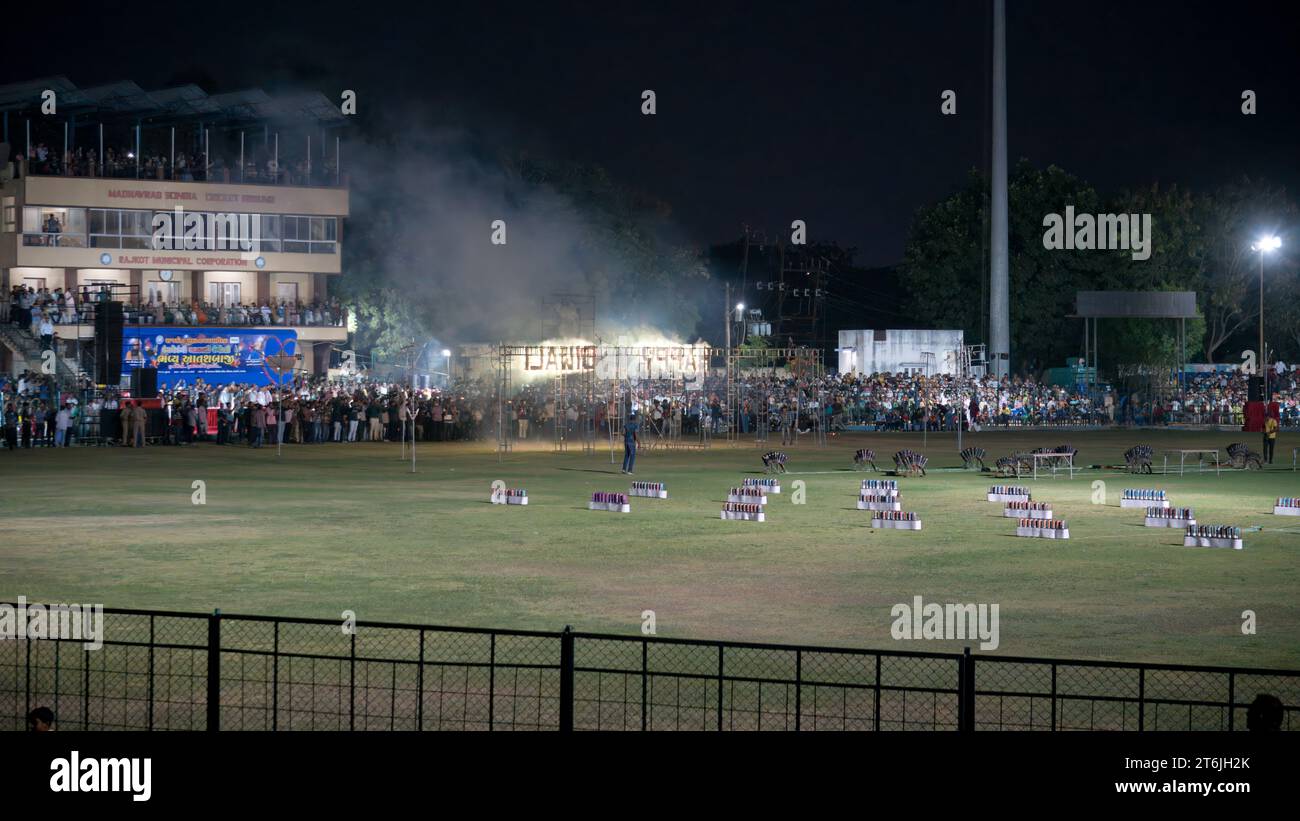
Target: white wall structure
<point>899,351</point>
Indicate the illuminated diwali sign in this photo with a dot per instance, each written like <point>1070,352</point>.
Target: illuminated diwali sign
<point>625,362</point>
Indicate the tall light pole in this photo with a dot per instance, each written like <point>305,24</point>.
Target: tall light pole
<point>999,249</point>
<point>446,355</point>
<point>1263,245</point>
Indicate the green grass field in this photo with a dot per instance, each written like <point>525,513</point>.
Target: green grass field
<point>325,529</point>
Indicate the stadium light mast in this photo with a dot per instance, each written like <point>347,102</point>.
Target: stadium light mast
<point>1264,245</point>
<point>999,288</point>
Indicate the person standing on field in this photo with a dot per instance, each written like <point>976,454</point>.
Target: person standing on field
<point>62,422</point>
<point>1270,438</point>
<point>630,442</point>
<point>138,424</point>
<point>124,420</point>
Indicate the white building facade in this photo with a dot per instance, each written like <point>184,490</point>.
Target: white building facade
<point>900,351</point>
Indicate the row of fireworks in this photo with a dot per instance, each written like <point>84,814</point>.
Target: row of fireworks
<point>1145,494</point>
<point>748,501</point>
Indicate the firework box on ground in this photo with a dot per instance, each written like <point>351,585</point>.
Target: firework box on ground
<point>1213,536</point>
<point>1144,497</point>
<point>510,496</point>
<point>1021,510</point>
<point>896,520</point>
<point>1287,506</point>
<point>1170,517</point>
<point>769,485</point>
<point>879,487</point>
<point>650,490</point>
<point>1008,493</point>
<point>869,501</point>
<point>1043,529</point>
<point>747,495</point>
<point>743,511</point>
<point>613,502</point>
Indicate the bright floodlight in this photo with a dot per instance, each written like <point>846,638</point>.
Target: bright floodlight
<point>1267,244</point>
<point>740,306</point>
<point>446,352</point>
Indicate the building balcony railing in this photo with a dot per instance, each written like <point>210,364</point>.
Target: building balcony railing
<point>196,171</point>
<point>69,239</point>
<point>315,315</point>
<point>203,314</point>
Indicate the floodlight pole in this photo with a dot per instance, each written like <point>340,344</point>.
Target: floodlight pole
<point>1263,356</point>
<point>999,266</point>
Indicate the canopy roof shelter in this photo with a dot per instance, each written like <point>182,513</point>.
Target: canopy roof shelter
<point>1091,306</point>
<point>124,106</point>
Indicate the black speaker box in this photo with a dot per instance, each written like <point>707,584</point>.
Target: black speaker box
<point>108,343</point>
<point>144,383</point>
<point>1255,389</point>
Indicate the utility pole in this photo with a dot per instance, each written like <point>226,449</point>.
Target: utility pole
<point>726,315</point>
<point>1263,354</point>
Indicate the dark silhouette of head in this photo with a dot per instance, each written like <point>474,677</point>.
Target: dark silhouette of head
<point>1264,714</point>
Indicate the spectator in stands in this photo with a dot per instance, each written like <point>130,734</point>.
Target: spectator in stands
<point>47,332</point>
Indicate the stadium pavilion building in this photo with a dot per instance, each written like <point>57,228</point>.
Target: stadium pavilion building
<point>86,170</point>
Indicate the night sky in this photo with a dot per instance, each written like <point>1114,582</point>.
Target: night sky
<point>823,112</point>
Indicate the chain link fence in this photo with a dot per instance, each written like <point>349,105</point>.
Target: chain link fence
<point>184,671</point>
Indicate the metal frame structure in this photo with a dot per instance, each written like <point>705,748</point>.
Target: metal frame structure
<point>616,390</point>
<point>1090,307</point>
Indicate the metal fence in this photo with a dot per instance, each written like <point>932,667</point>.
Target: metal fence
<point>185,671</point>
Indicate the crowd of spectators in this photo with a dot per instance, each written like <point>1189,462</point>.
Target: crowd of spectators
<point>269,312</point>
<point>317,410</point>
<point>260,166</point>
<point>310,411</point>
<point>29,308</point>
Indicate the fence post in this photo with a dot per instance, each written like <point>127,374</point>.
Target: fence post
<point>876,709</point>
<point>798,690</point>
<point>492,682</point>
<point>419,687</point>
<point>214,671</point>
<point>352,682</point>
<point>566,680</point>
<point>275,678</point>
<point>645,675</point>
<point>720,657</point>
<point>966,693</point>
<point>1142,699</point>
<point>152,639</point>
<point>1232,698</point>
<point>1053,696</point>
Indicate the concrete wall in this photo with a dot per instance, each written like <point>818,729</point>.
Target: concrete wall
<point>900,350</point>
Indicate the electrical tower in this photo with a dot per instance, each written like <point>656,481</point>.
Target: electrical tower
<point>801,292</point>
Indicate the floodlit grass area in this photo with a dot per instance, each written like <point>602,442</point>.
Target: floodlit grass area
<point>325,529</point>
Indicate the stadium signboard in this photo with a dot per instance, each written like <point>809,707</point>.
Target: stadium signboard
<point>215,355</point>
<point>649,361</point>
